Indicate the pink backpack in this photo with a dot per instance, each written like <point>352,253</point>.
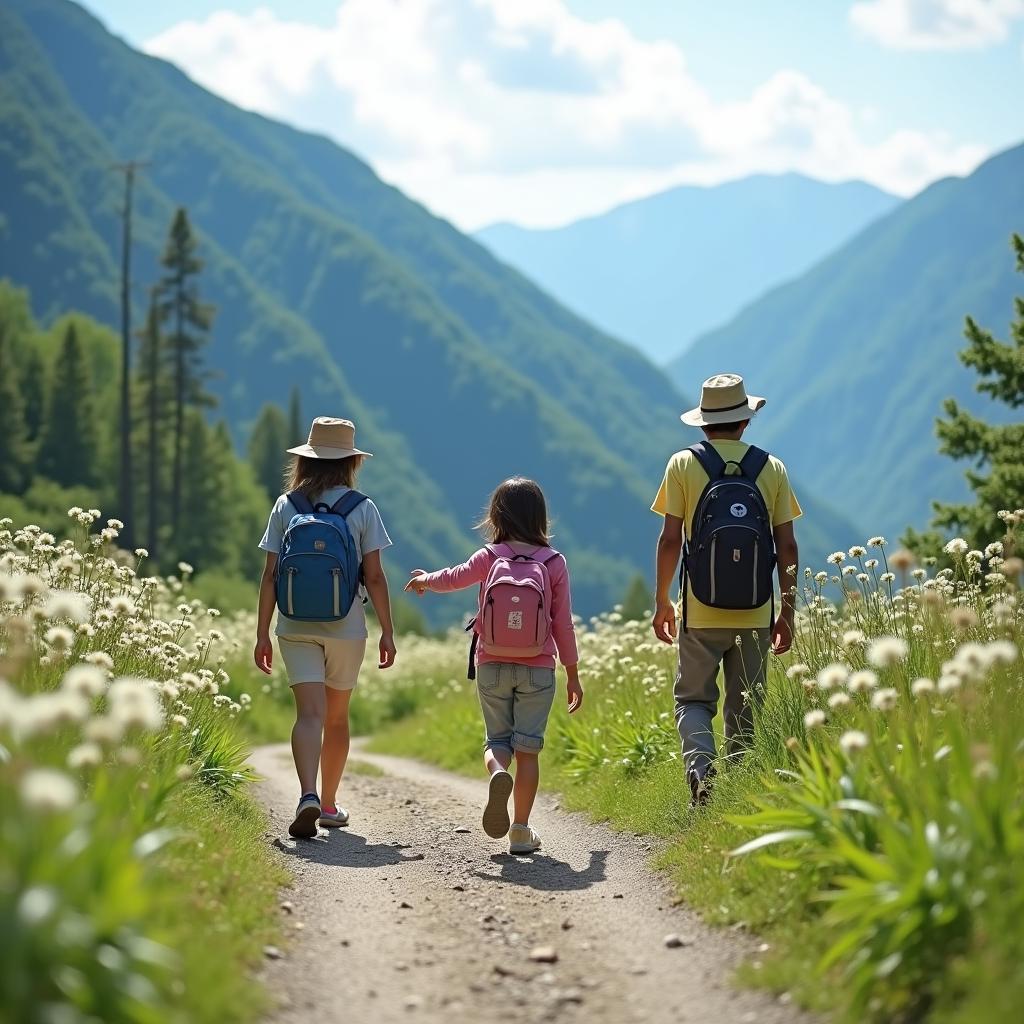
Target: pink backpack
<point>514,618</point>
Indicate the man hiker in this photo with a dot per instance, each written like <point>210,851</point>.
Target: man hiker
<point>734,504</point>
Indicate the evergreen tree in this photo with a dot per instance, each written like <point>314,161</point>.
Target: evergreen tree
<point>190,321</point>
<point>14,448</point>
<point>69,446</point>
<point>296,431</point>
<point>153,393</point>
<point>996,449</point>
<point>33,390</point>
<point>209,536</point>
<point>270,437</point>
<point>637,602</point>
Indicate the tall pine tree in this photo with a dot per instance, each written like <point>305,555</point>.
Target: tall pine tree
<point>69,446</point>
<point>189,322</point>
<point>270,437</point>
<point>14,447</point>
<point>996,449</point>
<point>33,391</point>
<point>296,433</point>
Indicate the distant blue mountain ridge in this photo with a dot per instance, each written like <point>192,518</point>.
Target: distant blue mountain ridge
<point>660,271</point>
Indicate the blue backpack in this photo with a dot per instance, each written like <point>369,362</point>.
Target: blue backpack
<point>730,552</point>
<point>318,570</point>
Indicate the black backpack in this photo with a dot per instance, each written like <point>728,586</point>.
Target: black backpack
<point>729,555</point>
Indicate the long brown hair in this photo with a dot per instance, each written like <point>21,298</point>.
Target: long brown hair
<point>314,476</point>
<point>517,511</point>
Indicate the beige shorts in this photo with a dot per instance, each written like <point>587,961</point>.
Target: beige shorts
<point>335,663</point>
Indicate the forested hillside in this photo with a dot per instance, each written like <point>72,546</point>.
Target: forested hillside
<point>859,354</point>
<point>457,370</point>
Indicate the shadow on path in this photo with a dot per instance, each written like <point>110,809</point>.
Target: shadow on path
<point>345,849</point>
<point>539,871</point>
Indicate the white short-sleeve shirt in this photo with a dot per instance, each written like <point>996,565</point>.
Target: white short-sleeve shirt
<point>368,533</point>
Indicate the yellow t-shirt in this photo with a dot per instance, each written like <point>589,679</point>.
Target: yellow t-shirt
<point>680,490</point>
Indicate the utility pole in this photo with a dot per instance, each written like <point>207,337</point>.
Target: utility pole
<point>125,480</point>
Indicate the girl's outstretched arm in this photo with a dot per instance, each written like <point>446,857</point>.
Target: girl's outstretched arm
<point>458,577</point>
<point>377,587</point>
<point>263,653</point>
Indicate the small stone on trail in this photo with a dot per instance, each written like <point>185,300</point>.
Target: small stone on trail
<point>461,829</point>
<point>544,955</point>
<point>459,888</point>
<point>566,925</point>
<point>272,953</point>
<point>287,906</point>
<point>617,896</point>
<point>404,906</point>
<point>416,856</point>
<point>674,941</point>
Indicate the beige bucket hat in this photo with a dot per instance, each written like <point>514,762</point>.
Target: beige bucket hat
<point>723,399</point>
<point>330,438</point>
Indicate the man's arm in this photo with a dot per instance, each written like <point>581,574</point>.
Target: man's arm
<point>788,558</point>
<point>670,547</point>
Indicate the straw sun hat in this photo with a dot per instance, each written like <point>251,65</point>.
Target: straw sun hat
<point>723,399</point>
<point>330,438</point>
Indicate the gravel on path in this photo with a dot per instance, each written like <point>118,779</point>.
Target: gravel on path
<point>413,914</point>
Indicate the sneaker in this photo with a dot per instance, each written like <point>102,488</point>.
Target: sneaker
<point>700,786</point>
<point>522,839</point>
<point>306,816</point>
<point>496,819</point>
<point>338,818</point>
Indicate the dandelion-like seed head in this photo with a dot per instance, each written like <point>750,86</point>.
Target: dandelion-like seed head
<point>839,699</point>
<point>833,676</point>
<point>48,791</point>
<point>836,558</point>
<point>857,551</point>
<point>877,542</point>
<point>797,671</point>
<point>956,548</point>
<point>884,700</point>
<point>922,687</point>
<point>814,719</point>
<point>887,651</point>
<point>862,681</point>
<point>853,741</point>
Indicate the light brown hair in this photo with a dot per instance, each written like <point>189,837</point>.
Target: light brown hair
<point>517,511</point>
<point>314,476</point>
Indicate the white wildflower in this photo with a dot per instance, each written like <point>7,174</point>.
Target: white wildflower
<point>922,687</point>
<point>839,699</point>
<point>877,542</point>
<point>814,719</point>
<point>832,676</point>
<point>88,680</point>
<point>862,681</point>
<point>836,558</point>
<point>887,651</point>
<point>85,755</point>
<point>957,547</point>
<point>68,604</point>
<point>797,671</point>
<point>857,551</point>
<point>48,791</point>
<point>884,700</point>
<point>852,742</point>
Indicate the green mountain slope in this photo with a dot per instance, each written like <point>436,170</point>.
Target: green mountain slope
<point>857,355</point>
<point>458,370</point>
<point>661,270</point>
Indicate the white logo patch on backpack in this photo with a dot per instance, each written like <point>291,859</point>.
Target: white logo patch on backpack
<point>515,620</point>
<point>738,510</point>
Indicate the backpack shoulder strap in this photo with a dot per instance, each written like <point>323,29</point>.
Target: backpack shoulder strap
<point>711,462</point>
<point>301,503</point>
<point>753,462</point>
<point>348,503</point>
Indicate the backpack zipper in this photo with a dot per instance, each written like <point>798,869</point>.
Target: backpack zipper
<point>714,566</point>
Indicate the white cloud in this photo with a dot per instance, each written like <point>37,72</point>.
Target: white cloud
<point>936,24</point>
<point>520,109</point>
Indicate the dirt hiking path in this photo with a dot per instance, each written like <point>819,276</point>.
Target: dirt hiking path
<point>413,914</point>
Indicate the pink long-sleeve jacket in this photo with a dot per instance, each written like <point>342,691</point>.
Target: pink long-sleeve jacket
<point>563,633</point>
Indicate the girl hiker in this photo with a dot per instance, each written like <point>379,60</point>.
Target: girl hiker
<point>525,616</point>
<point>323,543</point>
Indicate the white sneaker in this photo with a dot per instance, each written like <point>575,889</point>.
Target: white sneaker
<point>522,839</point>
<point>338,818</point>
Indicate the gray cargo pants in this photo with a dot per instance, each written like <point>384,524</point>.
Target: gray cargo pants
<point>701,652</point>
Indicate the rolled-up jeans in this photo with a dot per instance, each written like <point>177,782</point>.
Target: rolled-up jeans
<point>742,654</point>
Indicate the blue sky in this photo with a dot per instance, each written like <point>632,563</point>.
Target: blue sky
<point>540,111</point>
